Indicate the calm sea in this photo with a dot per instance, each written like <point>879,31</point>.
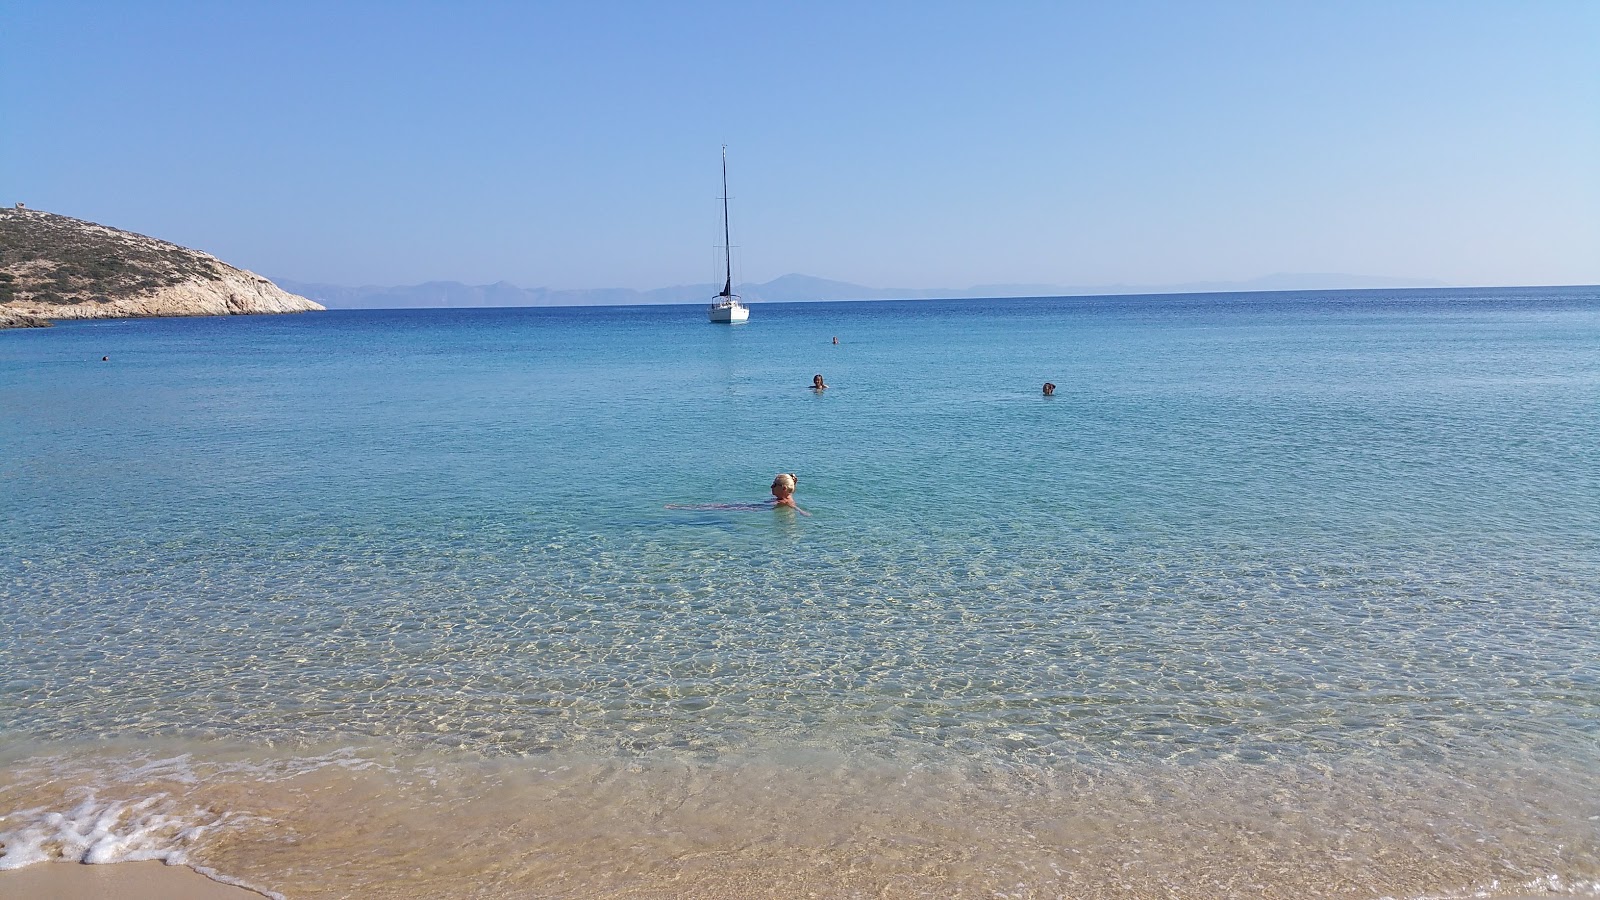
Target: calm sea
<point>1280,595</point>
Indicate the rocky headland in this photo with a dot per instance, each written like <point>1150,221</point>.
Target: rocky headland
<point>58,267</point>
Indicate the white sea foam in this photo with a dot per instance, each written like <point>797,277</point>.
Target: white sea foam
<point>97,831</point>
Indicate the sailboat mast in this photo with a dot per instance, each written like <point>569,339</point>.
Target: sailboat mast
<point>727,244</point>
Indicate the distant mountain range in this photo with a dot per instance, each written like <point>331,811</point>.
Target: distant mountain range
<point>788,289</point>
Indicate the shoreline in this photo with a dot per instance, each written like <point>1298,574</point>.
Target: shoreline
<point>389,823</point>
<point>154,880</point>
<point>144,880</point>
<point>13,319</point>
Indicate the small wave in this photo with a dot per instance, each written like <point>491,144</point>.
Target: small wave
<point>98,831</point>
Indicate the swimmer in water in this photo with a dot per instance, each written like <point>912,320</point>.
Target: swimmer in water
<point>817,383</point>
<point>782,495</point>
<point>783,490</point>
<point>1049,389</point>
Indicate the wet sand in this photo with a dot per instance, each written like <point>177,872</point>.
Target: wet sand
<point>157,881</point>
<point>819,824</point>
<point>121,881</point>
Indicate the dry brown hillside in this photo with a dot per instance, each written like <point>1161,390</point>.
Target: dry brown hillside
<point>58,267</point>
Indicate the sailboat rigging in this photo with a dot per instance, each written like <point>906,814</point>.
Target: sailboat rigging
<point>727,308</point>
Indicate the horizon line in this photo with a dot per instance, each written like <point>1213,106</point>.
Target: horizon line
<point>1087,296</point>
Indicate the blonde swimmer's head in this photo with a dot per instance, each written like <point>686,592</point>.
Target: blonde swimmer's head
<point>783,492</point>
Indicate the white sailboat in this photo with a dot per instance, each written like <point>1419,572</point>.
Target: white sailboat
<point>727,307</point>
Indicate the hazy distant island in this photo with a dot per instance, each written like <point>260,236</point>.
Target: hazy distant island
<point>58,267</point>
<point>788,289</point>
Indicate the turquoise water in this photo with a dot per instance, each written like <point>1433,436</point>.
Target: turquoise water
<point>1354,533</point>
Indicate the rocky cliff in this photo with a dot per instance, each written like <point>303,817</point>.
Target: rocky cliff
<point>56,267</point>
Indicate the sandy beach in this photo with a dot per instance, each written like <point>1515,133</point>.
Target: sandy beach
<point>153,881</point>
<point>817,824</point>
<point>123,881</point>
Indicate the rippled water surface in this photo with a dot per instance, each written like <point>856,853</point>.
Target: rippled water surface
<point>1296,593</point>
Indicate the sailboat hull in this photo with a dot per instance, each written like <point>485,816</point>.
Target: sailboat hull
<point>729,313</point>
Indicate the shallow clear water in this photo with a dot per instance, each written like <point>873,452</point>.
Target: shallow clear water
<point>1278,560</point>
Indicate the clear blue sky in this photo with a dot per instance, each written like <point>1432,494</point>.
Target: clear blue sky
<point>917,144</point>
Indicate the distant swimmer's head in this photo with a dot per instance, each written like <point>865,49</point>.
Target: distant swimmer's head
<point>817,382</point>
<point>783,484</point>
<point>1049,389</point>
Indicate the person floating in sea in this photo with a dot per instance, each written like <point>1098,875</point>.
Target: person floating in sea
<point>817,384</point>
<point>783,490</point>
<point>1049,389</point>
<point>782,496</point>
<point>836,339</point>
